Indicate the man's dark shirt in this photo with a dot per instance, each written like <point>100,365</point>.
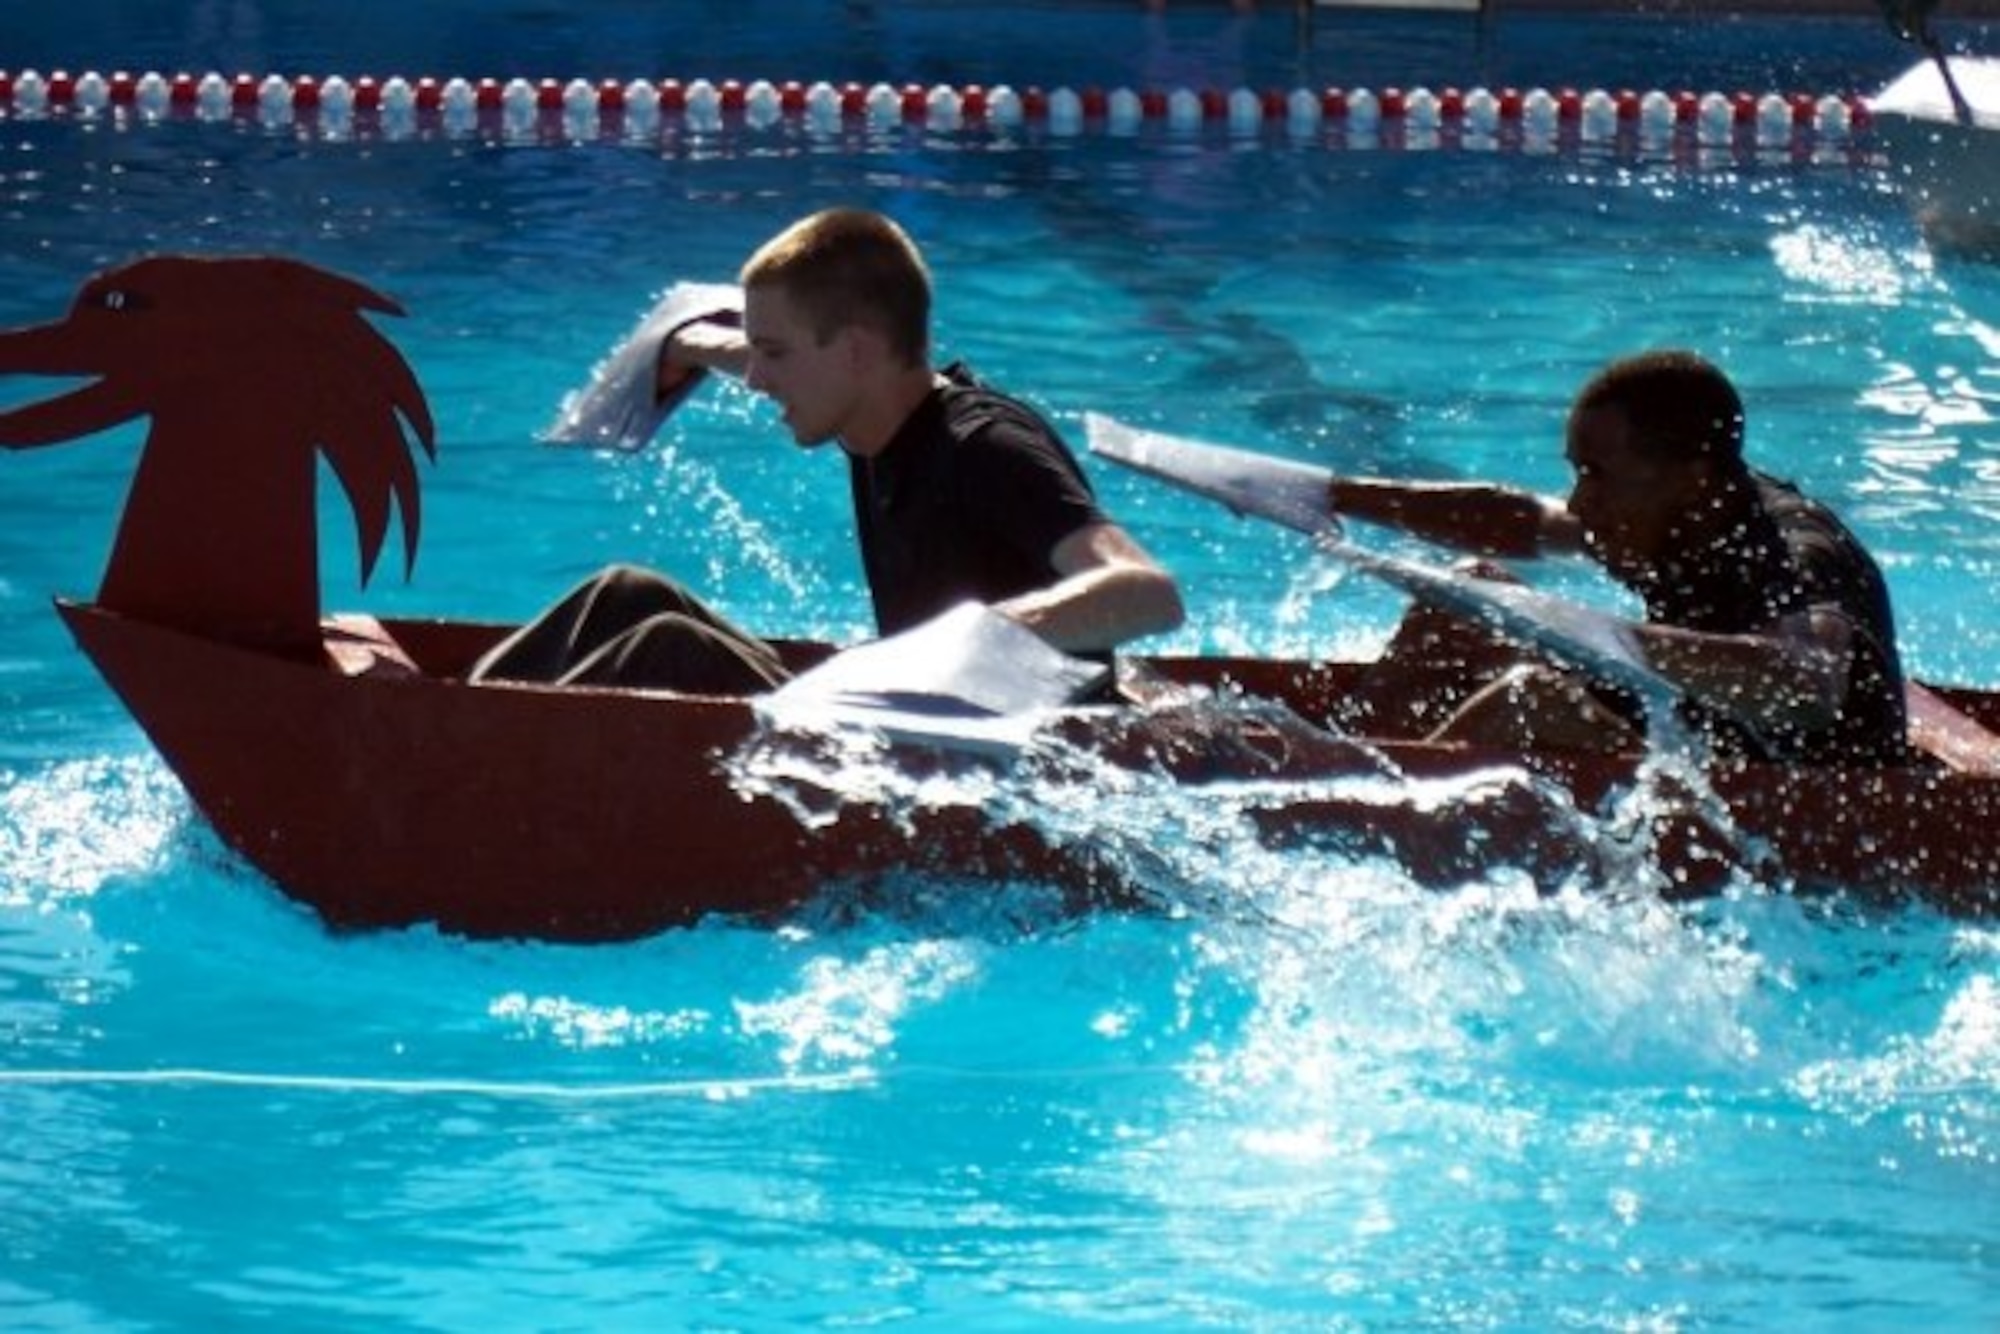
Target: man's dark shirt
<point>965,502</point>
<point>1791,554</point>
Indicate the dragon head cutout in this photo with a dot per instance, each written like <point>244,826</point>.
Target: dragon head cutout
<point>251,369</point>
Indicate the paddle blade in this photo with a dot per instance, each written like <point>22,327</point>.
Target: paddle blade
<point>620,407</point>
<point>971,680</point>
<point>1293,494</point>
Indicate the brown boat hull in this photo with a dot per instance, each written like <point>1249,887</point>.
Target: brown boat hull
<point>392,798</point>
<point>395,793</point>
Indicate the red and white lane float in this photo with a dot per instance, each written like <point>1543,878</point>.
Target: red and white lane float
<point>640,107</point>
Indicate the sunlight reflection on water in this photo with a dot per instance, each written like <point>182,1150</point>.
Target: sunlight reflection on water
<point>69,829</point>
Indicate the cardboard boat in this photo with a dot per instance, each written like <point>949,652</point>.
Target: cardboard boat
<point>351,761</point>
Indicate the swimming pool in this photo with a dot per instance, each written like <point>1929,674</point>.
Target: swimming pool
<point>1312,1097</point>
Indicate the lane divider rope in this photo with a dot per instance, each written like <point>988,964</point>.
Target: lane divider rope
<point>1597,113</point>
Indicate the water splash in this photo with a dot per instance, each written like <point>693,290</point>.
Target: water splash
<point>816,775</point>
<point>845,1012</point>
<point>747,543</point>
<point>1159,795</point>
<point>1845,265</point>
<point>1371,1014</point>
<point>583,1025</point>
<point>69,829</point>
<point>1939,1084</point>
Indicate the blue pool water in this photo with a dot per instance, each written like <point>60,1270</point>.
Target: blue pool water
<point>1307,1095</point>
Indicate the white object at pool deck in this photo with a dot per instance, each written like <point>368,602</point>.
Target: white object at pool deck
<point>1951,168</point>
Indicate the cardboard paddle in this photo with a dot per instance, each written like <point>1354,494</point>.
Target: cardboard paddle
<point>970,680</point>
<point>1294,494</point>
<point>621,406</point>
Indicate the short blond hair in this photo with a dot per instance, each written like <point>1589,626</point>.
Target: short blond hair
<point>848,266</point>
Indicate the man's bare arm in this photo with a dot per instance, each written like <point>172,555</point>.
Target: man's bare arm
<point>1110,591</point>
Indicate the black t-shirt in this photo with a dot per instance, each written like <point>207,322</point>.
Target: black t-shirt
<point>1791,554</point>
<point>965,502</point>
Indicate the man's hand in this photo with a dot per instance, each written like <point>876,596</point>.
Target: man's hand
<point>706,344</point>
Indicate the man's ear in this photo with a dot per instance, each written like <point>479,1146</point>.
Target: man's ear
<point>865,349</point>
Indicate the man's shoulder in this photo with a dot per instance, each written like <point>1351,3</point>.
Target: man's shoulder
<point>1834,567</point>
<point>1802,519</point>
<point>974,408</point>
